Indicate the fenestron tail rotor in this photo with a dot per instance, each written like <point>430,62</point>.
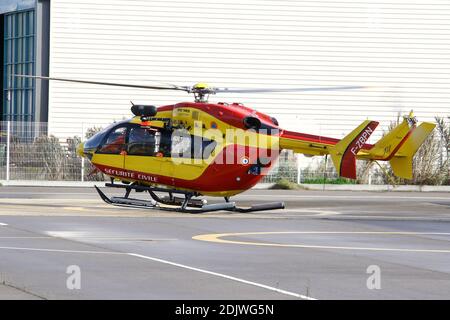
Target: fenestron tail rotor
<point>201,91</point>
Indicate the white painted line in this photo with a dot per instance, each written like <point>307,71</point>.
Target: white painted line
<point>124,238</point>
<point>346,197</point>
<point>289,293</point>
<point>285,292</point>
<point>49,193</point>
<point>349,216</point>
<point>31,237</point>
<point>59,250</point>
<point>3,224</point>
<point>88,238</point>
<point>86,235</point>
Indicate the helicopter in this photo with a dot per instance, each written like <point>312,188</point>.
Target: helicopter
<point>192,149</point>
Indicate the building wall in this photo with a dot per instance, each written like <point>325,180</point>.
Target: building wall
<point>398,49</point>
<point>24,37</point>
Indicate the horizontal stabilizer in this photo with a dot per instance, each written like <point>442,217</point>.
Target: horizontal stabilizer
<point>402,162</point>
<point>388,145</point>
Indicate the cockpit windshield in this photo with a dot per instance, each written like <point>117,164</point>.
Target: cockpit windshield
<point>94,141</point>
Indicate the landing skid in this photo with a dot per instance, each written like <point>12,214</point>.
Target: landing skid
<point>175,203</point>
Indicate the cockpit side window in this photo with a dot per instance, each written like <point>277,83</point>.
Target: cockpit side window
<point>115,141</point>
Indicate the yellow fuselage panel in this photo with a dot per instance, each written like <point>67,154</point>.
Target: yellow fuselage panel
<point>110,160</point>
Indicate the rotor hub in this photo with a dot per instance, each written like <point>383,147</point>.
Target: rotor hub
<point>201,91</point>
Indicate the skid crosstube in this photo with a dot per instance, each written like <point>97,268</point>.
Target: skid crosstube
<point>179,204</point>
<point>261,207</point>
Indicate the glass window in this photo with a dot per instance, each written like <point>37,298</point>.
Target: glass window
<point>181,144</point>
<point>115,142</point>
<point>208,147</point>
<point>165,143</point>
<point>188,146</point>
<point>95,140</point>
<point>142,141</point>
<point>19,51</point>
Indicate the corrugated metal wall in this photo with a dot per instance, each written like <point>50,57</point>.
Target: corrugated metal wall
<point>401,49</point>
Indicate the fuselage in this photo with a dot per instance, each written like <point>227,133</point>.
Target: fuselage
<point>212,149</point>
<point>226,154</point>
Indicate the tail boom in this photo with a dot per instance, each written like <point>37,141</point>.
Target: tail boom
<point>398,146</point>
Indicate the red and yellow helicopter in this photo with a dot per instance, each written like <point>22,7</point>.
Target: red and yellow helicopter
<point>219,149</point>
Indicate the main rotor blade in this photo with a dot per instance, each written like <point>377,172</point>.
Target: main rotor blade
<point>232,90</point>
<point>171,87</point>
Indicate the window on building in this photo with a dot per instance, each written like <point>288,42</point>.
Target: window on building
<point>19,58</point>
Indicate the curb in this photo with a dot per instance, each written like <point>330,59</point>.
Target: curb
<point>259,186</point>
<point>371,187</point>
<point>36,183</point>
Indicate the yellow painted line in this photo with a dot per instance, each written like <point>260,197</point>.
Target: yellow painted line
<point>218,238</point>
<point>74,208</point>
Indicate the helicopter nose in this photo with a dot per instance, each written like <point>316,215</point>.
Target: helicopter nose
<point>80,149</point>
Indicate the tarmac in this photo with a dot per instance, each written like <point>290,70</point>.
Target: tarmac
<point>65,243</point>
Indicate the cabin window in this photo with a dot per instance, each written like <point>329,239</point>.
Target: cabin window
<point>189,146</point>
<point>153,142</point>
<point>143,141</point>
<point>165,143</point>
<point>115,142</point>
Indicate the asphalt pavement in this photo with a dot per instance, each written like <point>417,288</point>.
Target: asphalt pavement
<point>65,243</point>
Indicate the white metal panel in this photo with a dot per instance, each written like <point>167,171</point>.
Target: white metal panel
<point>399,49</point>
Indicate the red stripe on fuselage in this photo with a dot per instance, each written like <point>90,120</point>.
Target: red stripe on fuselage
<point>232,114</point>
<point>217,177</point>
<point>313,138</point>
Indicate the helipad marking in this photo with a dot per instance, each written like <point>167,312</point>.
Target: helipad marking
<point>217,237</point>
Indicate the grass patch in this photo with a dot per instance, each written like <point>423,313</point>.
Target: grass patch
<point>329,181</point>
<point>285,184</point>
